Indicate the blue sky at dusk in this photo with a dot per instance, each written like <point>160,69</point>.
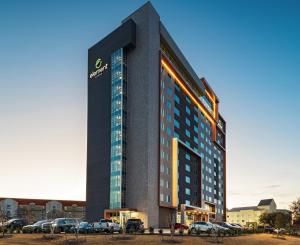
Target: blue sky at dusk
<point>249,51</point>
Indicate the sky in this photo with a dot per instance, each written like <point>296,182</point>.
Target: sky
<point>249,51</point>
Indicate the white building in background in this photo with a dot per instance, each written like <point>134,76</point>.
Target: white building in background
<point>249,216</point>
<point>36,209</point>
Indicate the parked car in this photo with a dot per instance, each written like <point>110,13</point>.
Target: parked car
<point>220,229</point>
<point>13,225</point>
<point>200,227</point>
<point>34,228</point>
<point>106,225</point>
<point>47,226</point>
<point>180,226</point>
<point>280,231</point>
<point>269,229</point>
<point>238,228</point>
<point>64,224</point>
<point>232,230</point>
<point>134,225</point>
<point>83,227</point>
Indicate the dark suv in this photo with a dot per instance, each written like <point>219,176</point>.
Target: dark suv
<point>134,225</point>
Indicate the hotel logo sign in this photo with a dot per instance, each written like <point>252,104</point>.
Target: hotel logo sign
<point>100,68</point>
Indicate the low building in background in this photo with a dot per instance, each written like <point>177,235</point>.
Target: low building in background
<point>249,216</point>
<point>38,209</point>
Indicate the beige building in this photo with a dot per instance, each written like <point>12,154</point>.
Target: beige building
<point>249,216</point>
<point>37,209</point>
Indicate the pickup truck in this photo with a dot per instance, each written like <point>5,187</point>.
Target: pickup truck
<point>106,225</point>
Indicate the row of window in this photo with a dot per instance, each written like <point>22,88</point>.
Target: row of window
<point>165,198</point>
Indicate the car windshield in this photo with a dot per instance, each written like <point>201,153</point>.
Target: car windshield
<point>83,224</point>
<point>40,222</point>
<point>133,221</point>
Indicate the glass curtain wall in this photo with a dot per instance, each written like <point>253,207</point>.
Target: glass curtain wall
<point>118,129</point>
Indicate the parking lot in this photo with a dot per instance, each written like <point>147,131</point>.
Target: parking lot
<point>35,239</point>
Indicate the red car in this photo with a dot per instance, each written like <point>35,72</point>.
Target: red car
<point>180,226</point>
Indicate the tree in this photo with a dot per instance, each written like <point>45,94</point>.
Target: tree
<point>54,214</point>
<point>282,220</point>
<point>276,219</point>
<point>27,214</point>
<point>3,218</point>
<point>267,219</point>
<point>295,208</point>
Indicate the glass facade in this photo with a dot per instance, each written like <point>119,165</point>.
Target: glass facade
<point>118,129</point>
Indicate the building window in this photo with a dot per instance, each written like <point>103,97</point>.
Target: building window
<point>176,124</point>
<point>169,91</point>
<point>168,198</point>
<point>161,197</point>
<point>187,121</point>
<point>162,183</point>
<point>176,111</point>
<point>196,140</point>
<point>188,99</point>
<point>196,129</point>
<point>187,179</point>
<point>176,135</point>
<point>169,104</point>
<point>177,87</point>
<point>187,168</point>
<point>169,131</point>
<point>196,118</point>
<point>187,156</point>
<point>176,98</point>
<point>169,118</point>
<point>187,191</point>
<point>188,111</point>
<point>187,133</point>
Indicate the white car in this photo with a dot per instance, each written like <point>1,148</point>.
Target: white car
<point>106,225</point>
<point>200,226</point>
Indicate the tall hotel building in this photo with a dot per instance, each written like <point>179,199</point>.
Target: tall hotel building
<point>156,140</point>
